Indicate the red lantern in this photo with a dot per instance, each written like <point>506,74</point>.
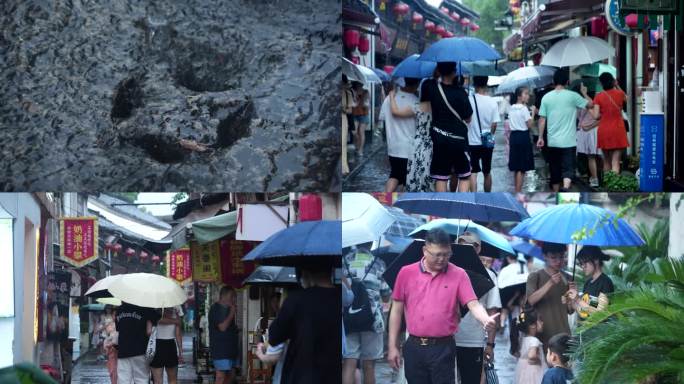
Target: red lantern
<point>599,27</point>
<point>440,30</point>
<point>117,248</point>
<point>465,21</point>
<point>632,20</point>
<point>444,10</point>
<point>401,9</point>
<point>474,27</point>
<point>455,16</point>
<point>310,207</point>
<point>130,252</point>
<point>108,246</point>
<point>417,18</point>
<point>143,255</point>
<point>155,259</point>
<point>351,38</point>
<point>364,44</point>
<point>388,69</point>
<point>430,26</point>
<point>449,34</point>
<point>355,60</point>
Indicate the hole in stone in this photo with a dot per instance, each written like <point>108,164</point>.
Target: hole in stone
<point>234,123</point>
<point>127,97</point>
<point>161,149</point>
<point>201,68</point>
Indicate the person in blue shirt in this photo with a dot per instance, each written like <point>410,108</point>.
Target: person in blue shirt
<point>558,360</point>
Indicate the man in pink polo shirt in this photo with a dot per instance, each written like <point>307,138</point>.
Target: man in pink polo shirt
<point>429,293</point>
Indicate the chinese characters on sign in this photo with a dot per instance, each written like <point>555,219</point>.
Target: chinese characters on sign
<point>178,263</point>
<point>233,270</point>
<point>58,289</point>
<point>205,262</point>
<point>78,240</point>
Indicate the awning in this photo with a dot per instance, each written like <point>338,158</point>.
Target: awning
<point>214,228</point>
<point>356,12</point>
<point>559,16</point>
<point>156,246</point>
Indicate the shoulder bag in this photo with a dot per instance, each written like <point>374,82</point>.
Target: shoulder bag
<point>151,345</point>
<point>487,138</point>
<point>624,115</point>
<point>440,135</point>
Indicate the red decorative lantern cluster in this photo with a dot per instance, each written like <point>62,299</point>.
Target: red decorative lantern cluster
<point>401,9</point>
<point>465,21</point>
<point>474,27</point>
<point>364,44</point>
<point>632,20</point>
<point>455,16</point>
<point>351,38</point>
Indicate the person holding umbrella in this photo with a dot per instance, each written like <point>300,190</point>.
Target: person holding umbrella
<point>430,293</point>
<point>451,114</point>
<point>134,325</point>
<point>546,289</point>
<point>598,285</point>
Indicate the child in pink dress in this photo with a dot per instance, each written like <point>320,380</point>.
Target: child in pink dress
<point>531,364</point>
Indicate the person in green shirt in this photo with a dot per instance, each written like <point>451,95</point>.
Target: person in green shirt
<point>560,108</point>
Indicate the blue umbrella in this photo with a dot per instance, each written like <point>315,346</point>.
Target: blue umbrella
<point>305,242</point>
<point>480,206</point>
<point>382,75</point>
<point>411,67</point>
<point>527,248</point>
<point>459,49</point>
<point>482,68</point>
<point>403,223</point>
<point>560,223</point>
<point>457,227</point>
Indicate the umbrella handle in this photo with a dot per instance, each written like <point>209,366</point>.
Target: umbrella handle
<point>574,264</point>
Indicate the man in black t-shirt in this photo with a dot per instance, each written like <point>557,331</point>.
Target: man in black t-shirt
<point>223,335</point>
<point>134,325</point>
<point>449,132</point>
<point>310,320</point>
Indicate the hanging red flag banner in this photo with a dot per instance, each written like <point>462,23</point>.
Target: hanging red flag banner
<point>78,240</point>
<point>178,265</point>
<point>233,270</point>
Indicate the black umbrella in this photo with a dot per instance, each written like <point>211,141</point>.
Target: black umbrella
<point>463,256</point>
<point>272,275</point>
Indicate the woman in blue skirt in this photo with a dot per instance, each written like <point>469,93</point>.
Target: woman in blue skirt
<point>520,156</point>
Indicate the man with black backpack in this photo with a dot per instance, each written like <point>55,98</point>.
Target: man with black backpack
<point>363,320</point>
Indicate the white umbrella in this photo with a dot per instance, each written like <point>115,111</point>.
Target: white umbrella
<point>102,285</point>
<point>531,77</point>
<point>109,300</point>
<point>577,51</point>
<point>148,290</point>
<point>359,73</point>
<point>510,276</point>
<point>364,219</point>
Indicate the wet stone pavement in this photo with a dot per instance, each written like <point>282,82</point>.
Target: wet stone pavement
<point>169,95</point>
<point>88,370</point>
<point>372,171</point>
<point>503,362</point>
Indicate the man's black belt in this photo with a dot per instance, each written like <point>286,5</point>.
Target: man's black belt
<point>430,340</point>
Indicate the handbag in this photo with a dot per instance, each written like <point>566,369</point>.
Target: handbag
<point>439,135</point>
<point>487,138</point>
<point>490,373</point>
<point>151,345</point>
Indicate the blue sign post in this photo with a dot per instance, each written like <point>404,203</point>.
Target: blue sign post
<point>651,148</point>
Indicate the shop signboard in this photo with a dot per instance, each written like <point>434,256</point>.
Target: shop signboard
<point>233,270</point>
<point>653,6</point>
<point>205,262</point>
<point>616,20</point>
<point>651,149</point>
<point>178,265</point>
<point>57,305</point>
<point>78,240</point>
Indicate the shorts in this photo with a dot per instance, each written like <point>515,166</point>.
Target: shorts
<point>225,364</point>
<point>362,119</point>
<point>166,354</point>
<point>561,163</point>
<point>398,169</point>
<point>449,158</point>
<point>481,153</point>
<point>364,346</point>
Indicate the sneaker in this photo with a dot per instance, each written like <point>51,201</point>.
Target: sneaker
<point>593,182</point>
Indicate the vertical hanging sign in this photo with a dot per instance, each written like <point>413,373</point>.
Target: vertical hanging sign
<point>78,240</point>
<point>178,265</point>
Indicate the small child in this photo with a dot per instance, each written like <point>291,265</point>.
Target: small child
<point>558,359</point>
<point>531,365</point>
<point>520,156</point>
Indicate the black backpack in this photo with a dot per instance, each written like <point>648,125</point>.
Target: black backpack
<point>358,317</point>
